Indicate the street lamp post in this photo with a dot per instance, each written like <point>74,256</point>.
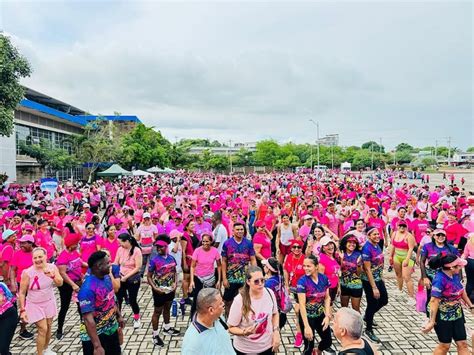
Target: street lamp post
<point>317,137</point>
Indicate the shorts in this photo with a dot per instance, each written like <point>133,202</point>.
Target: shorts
<point>400,256</point>
<point>447,331</point>
<point>351,292</point>
<point>285,249</point>
<point>39,311</point>
<point>333,294</point>
<point>159,300</point>
<point>110,343</point>
<point>232,291</point>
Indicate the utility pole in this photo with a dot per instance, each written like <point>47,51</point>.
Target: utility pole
<point>449,150</point>
<point>380,149</point>
<point>436,151</point>
<point>317,137</point>
<point>230,155</point>
<point>372,151</point>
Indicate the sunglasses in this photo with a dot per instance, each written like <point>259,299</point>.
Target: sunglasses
<point>259,281</point>
<point>90,228</point>
<point>440,234</point>
<point>296,247</point>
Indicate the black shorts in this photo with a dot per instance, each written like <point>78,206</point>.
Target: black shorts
<point>351,292</point>
<point>110,343</point>
<point>159,300</point>
<point>447,331</point>
<point>232,291</point>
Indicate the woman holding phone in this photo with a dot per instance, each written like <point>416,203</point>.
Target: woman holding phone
<point>253,317</point>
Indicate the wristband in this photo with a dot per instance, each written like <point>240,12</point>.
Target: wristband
<point>276,329</point>
<point>22,310</point>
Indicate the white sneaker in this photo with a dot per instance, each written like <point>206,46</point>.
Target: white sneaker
<point>48,351</point>
<point>411,302</point>
<point>136,324</point>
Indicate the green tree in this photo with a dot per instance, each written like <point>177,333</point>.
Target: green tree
<point>179,156</point>
<point>13,66</point>
<point>143,147</point>
<point>243,158</point>
<point>428,161</point>
<point>48,156</point>
<point>267,152</point>
<point>404,147</point>
<point>219,162</point>
<point>403,157</point>
<point>363,159</point>
<point>470,150</point>
<point>374,146</point>
<point>99,143</point>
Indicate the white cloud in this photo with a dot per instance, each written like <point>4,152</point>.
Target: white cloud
<point>246,71</point>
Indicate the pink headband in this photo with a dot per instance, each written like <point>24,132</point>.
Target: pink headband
<point>161,243</point>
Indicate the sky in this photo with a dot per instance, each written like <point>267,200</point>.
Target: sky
<point>243,71</point>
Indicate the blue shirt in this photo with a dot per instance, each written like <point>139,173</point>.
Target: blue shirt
<point>374,254</point>
<point>199,340</point>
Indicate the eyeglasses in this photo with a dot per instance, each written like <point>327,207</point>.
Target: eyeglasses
<point>258,281</point>
<point>296,247</point>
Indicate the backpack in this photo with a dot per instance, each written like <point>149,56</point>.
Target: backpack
<point>284,305</point>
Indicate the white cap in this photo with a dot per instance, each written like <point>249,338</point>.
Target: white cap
<point>146,215</point>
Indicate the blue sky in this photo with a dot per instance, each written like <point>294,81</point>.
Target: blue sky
<point>245,71</point>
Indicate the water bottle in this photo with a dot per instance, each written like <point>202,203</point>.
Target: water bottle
<point>174,309</point>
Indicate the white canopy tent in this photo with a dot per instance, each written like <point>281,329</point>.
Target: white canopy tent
<point>141,173</point>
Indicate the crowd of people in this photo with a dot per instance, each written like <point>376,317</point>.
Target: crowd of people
<point>236,254</point>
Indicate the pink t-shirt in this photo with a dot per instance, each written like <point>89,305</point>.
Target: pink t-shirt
<point>264,241</point>
<point>89,246</point>
<point>146,240</point>
<point>22,261</point>
<point>111,245</point>
<point>44,240</point>
<point>468,250</point>
<point>205,261</point>
<point>73,262</point>
<point>264,308</point>
<point>331,269</point>
<point>127,261</point>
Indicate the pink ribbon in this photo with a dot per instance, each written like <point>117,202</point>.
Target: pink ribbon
<point>35,283</point>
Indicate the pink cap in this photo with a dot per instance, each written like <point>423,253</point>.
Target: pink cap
<point>27,238</point>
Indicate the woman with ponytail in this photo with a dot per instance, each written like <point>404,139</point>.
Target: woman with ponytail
<point>253,317</point>
<point>446,313</point>
<point>129,257</point>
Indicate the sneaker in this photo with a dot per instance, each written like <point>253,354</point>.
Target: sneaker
<point>136,324</point>
<point>298,340</point>
<point>48,351</point>
<point>26,335</point>
<point>370,334</point>
<point>157,341</point>
<point>374,323</point>
<point>411,302</point>
<point>171,331</point>
<point>59,335</point>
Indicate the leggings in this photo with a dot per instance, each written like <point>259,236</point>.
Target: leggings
<point>8,321</point>
<point>65,294</point>
<point>132,289</point>
<point>470,278</point>
<point>374,305</point>
<point>325,335</point>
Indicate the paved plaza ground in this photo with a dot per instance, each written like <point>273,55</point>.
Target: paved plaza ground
<point>398,328</point>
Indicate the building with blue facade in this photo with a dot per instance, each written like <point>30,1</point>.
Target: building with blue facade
<point>41,117</point>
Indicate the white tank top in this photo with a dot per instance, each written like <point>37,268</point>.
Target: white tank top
<point>286,234</point>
